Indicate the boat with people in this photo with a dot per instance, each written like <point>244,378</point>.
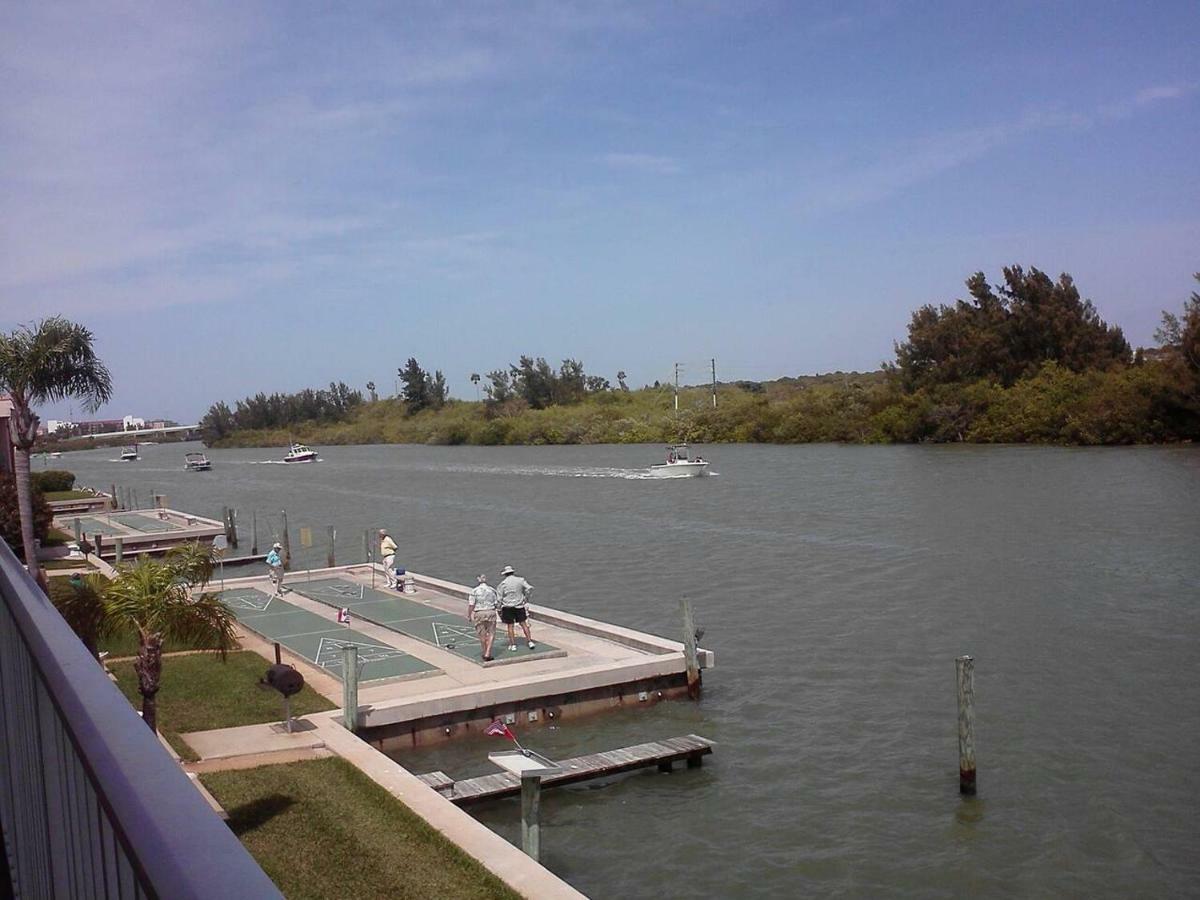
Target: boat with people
<point>129,454</point>
<point>298,453</point>
<point>680,464</point>
<point>196,462</point>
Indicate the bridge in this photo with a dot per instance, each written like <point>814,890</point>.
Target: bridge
<point>134,432</point>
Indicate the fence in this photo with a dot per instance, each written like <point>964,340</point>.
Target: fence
<point>90,802</point>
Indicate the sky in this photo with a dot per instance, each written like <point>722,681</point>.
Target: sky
<point>242,197</point>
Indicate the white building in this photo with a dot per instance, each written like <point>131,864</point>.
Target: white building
<point>53,426</point>
<point>134,422</point>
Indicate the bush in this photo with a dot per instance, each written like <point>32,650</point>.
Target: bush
<point>52,480</point>
<point>10,516</point>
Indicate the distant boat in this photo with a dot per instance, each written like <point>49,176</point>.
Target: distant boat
<point>679,464</point>
<point>300,454</point>
<point>56,454</point>
<point>196,462</point>
<point>129,454</point>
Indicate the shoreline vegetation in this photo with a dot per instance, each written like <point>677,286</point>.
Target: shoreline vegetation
<point>1025,361</point>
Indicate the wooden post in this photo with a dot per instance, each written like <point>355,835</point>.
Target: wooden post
<point>691,658</point>
<point>366,545</point>
<point>162,501</point>
<point>97,539</point>
<point>278,654</point>
<point>133,494</point>
<point>965,670</point>
<point>119,550</point>
<point>287,544</point>
<point>350,686</point>
<point>225,521</point>
<point>254,532</point>
<point>531,809</point>
<point>331,559</point>
<point>233,542</point>
<point>78,530</point>
<point>112,497</point>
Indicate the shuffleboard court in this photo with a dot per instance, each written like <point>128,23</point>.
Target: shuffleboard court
<point>393,610</point>
<point>89,526</point>
<point>144,523</point>
<point>317,640</point>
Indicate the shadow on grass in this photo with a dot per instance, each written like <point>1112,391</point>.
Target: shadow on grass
<point>249,816</point>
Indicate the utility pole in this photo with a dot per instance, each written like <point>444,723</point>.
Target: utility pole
<point>676,387</point>
<point>714,368</point>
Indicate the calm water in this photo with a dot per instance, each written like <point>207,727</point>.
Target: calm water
<point>837,585</point>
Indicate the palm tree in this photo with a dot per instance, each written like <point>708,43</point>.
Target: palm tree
<point>475,381</point>
<point>165,600</point>
<point>47,362</point>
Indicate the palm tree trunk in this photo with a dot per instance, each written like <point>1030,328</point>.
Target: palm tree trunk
<point>148,666</point>
<point>25,506</point>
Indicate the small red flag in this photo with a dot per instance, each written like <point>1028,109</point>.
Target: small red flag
<point>499,729</point>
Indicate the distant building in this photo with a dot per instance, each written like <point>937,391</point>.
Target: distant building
<point>132,422</point>
<point>53,426</point>
<point>99,426</point>
<point>8,453</point>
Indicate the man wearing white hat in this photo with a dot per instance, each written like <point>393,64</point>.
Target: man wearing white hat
<point>514,594</point>
<point>387,553</point>
<point>275,564</point>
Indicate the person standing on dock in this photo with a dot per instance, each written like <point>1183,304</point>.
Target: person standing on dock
<point>275,564</point>
<point>387,552</point>
<point>481,612</point>
<point>514,596</point>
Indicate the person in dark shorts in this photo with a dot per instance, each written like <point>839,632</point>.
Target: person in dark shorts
<point>514,594</point>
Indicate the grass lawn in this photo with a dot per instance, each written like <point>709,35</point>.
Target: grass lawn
<point>199,692</point>
<point>68,495</point>
<point>323,829</point>
<point>56,537</point>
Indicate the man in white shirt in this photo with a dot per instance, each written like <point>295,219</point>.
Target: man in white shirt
<point>481,612</point>
<point>514,595</point>
<point>387,553</point>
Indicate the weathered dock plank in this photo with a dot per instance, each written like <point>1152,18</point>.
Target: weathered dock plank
<point>691,748</point>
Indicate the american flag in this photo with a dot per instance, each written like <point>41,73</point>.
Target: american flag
<point>499,729</point>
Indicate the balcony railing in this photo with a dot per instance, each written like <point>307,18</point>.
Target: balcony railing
<point>90,803</point>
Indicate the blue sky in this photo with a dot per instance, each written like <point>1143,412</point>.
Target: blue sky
<point>241,197</point>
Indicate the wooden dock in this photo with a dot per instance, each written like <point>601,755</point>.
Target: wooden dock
<point>692,748</point>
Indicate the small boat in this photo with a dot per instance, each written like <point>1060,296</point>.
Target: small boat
<point>196,462</point>
<point>680,464</point>
<point>300,454</point>
<point>56,454</point>
<point>129,454</point>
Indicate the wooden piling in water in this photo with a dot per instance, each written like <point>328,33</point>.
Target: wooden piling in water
<point>331,557</point>
<point>112,497</point>
<point>690,656</point>
<point>965,671</point>
<point>531,811</point>
<point>254,532</point>
<point>233,535</point>
<point>287,543</point>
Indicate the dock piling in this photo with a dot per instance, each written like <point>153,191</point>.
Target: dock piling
<point>112,497</point>
<point>97,540</point>
<point>691,658</point>
<point>531,809</point>
<point>278,654</point>
<point>78,530</point>
<point>119,550</point>
<point>331,558</point>
<point>350,686</point>
<point>965,671</point>
<point>287,543</point>
<point>254,532</point>
<point>233,537</point>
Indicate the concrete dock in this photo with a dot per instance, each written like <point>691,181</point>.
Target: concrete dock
<point>593,665</point>
<point>139,530</point>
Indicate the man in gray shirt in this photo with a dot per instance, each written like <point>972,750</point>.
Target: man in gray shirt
<point>514,595</point>
<point>481,612</point>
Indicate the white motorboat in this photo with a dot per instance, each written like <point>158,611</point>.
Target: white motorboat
<point>196,462</point>
<point>300,454</point>
<point>680,464</point>
<point>129,454</point>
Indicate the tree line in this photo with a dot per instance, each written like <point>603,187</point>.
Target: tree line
<point>1025,360</point>
<point>261,411</point>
